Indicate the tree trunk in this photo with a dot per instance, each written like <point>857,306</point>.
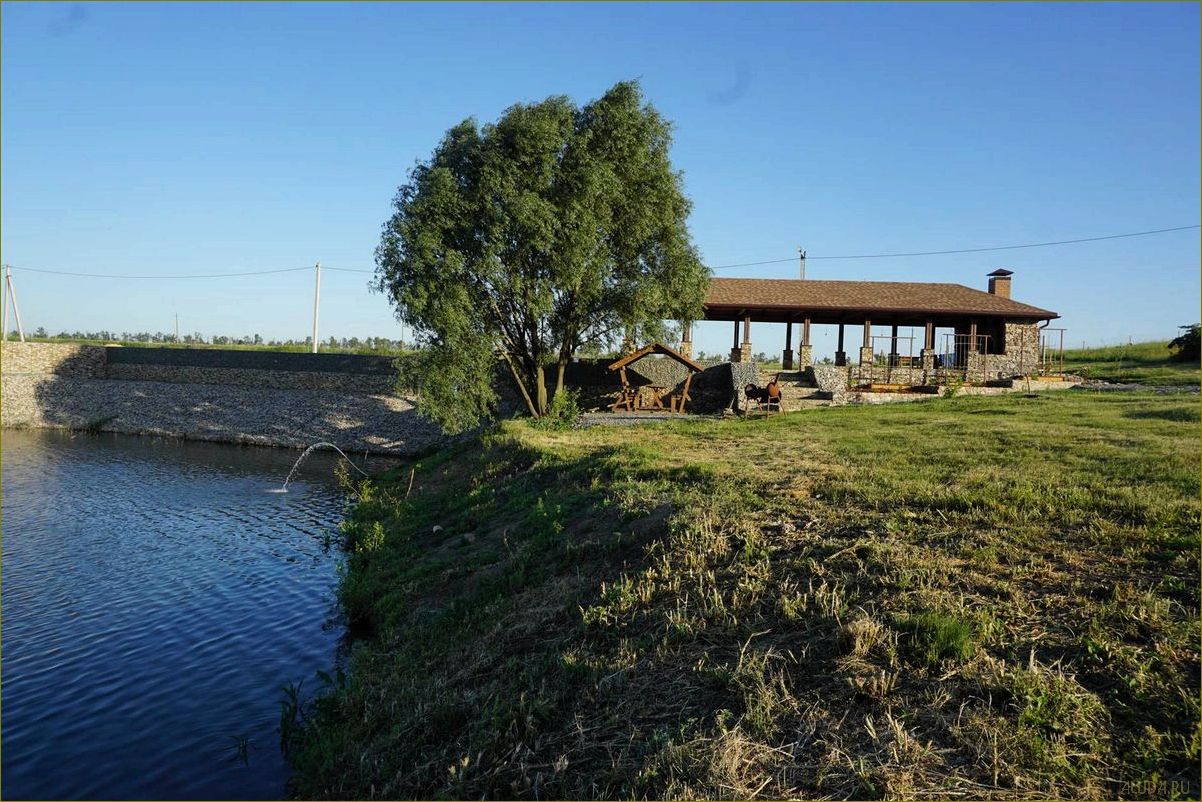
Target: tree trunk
<point>542,388</point>
<point>563,364</point>
<point>517,379</point>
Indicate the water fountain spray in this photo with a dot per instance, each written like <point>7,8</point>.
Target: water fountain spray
<point>284,488</point>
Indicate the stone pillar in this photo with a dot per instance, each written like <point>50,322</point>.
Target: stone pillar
<point>975,367</point>
<point>806,359</point>
<point>786,359</point>
<point>742,351</point>
<point>686,339</point>
<point>866,346</point>
<point>928,365</point>
<point>745,346</point>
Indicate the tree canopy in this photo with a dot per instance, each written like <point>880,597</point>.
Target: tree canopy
<point>554,228</point>
<point>1188,344</point>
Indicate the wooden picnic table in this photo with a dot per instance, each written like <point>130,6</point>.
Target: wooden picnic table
<point>630,397</point>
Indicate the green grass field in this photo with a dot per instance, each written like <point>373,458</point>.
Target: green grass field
<point>967,597</point>
<point>294,348</point>
<point>1141,363</point>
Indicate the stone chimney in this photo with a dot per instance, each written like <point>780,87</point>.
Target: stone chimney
<point>999,282</point>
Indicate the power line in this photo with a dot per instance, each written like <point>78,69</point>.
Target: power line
<point>962,250</point>
<point>188,275</point>
<point>718,267</point>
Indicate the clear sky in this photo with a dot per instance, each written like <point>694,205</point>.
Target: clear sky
<point>178,138</point>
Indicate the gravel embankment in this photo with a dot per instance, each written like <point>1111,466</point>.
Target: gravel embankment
<point>381,424</point>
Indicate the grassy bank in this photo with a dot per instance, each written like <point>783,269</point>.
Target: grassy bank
<point>1141,363</point>
<point>965,597</point>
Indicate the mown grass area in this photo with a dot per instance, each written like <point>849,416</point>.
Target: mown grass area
<point>1141,363</point>
<point>967,597</point>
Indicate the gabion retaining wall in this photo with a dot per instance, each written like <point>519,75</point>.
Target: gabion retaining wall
<point>62,359</point>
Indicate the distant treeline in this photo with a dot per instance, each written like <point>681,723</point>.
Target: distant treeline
<point>377,345</point>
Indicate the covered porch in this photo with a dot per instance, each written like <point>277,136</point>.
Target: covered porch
<point>903,332</point>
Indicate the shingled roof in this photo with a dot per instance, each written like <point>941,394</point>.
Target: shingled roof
<point>890,297</point>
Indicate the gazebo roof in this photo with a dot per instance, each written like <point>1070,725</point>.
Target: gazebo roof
<point>656,348</point>
<point>728,298</point>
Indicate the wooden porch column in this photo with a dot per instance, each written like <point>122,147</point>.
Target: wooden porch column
<point>741,352</point>
<point>686,338</point>
<point>893,345</point>
<point>972,337</point>
<point>928,341</point>
<point>840,354</point>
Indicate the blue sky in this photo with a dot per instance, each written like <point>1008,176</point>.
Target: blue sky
<point>175,138</point>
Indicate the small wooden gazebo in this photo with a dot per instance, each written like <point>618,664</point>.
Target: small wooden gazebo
<point>630,395</point>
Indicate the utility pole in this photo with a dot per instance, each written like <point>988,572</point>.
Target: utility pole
<point>801,252</point>
<point>12,295</point>
<point>316,302</point>
<point>177,326</point>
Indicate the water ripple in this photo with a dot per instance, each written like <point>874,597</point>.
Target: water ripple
<point>155,601</point>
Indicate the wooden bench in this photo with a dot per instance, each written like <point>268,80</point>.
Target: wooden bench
<point>628,397</point>
<point>678,401</point>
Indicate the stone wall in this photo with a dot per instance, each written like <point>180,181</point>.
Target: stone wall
<point>246,377</point>
<point>832,379</point>
<point>273,416</point>
<point>266,398</point>
<point>1022,351</point>
<point>62,359</point>
<point>355,373</point>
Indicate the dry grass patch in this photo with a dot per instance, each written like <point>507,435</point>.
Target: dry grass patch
<point>916,601</point>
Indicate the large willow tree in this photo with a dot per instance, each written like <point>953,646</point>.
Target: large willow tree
<point>523,240</point>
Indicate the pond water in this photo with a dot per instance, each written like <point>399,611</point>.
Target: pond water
<point>155,599</point>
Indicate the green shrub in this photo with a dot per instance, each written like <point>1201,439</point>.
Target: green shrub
<point>1188,344</point>
<point>562,412</point>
